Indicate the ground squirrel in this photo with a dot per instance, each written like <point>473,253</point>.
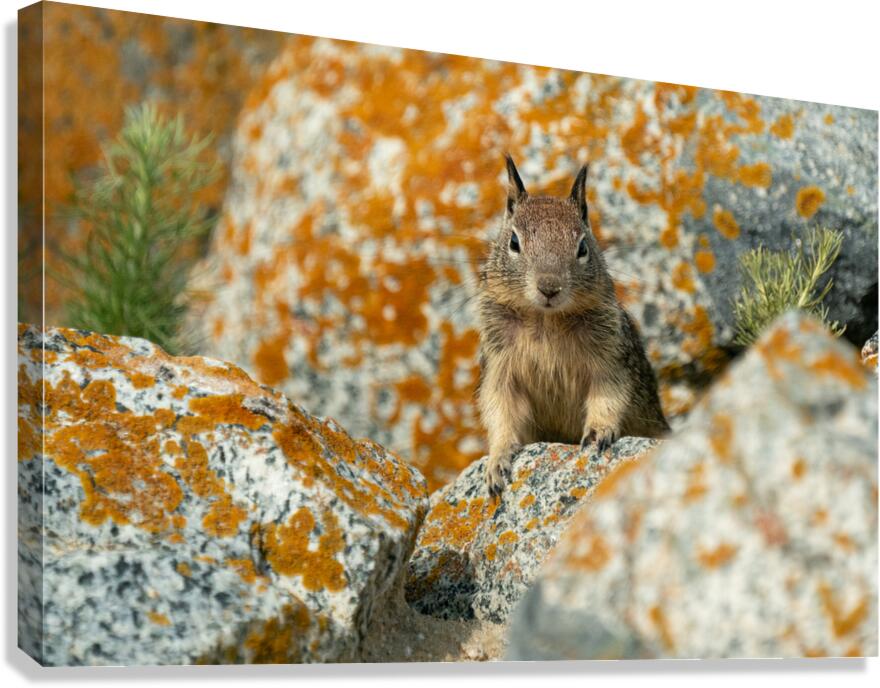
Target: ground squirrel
<point>560,358</point>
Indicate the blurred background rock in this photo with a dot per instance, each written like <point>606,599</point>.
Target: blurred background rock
<point>97,62</point>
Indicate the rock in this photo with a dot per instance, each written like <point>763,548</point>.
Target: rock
<point>751,532</point>
<point>188,514</point>
<point>475,557</point>
<point>368,180</point>
<point>820,175</point>
<point>869,352</point>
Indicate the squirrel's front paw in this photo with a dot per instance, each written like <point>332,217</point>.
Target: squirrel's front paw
<point>603,437</point>
<point>499,469</point>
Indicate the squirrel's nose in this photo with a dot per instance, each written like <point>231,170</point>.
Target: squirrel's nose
<point>549,287</point>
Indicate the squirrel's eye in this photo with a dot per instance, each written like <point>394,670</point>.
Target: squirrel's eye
<point>582,248</point>
<point>514,242</point>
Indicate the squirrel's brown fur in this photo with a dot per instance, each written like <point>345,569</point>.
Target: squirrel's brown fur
<point>560,358</point>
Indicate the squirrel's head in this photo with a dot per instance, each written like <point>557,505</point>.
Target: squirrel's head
<point>546,257</point>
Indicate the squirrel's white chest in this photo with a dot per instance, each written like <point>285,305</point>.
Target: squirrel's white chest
<point>554,375</point>
<point>547,359</point>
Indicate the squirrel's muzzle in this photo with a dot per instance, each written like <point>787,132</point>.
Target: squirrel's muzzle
<point>548,285</point>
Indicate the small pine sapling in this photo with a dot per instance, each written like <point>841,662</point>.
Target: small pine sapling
<point>776,281</point>
<point>142,218</point>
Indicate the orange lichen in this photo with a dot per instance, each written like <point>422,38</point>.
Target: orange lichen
<point>598,554</point>
<point>678,191</point>
<point>269,361</point>
<point>289,551</point>
<point>725,223</point>
<point>527,501</point>
<point>297,439</point>
<point>491,550</point>
<point>846,370</point>
<point>682,278</point>
<point>217,328</point>
<point>30,436</point>
<point>224,516</point>
<point>704,259</point>
<point>521,478</point>
<point>437,449</point>
<point>183,569</point>
<point>798,468</point>
<point>717,557</point>
<point>508,537</point>
<point>141,381</point>
<point>226,409</point>
<point>658,618</point>
<point>721,435</point>
<point>159,618</point>
<point>455,525</point>
<point>697,343</point>
<point>778,348</point>
<point>30,421</point>
<point>758,175</point>
<point>621,472</point>
<point>276,641</point>
<point>696,485</point>
<point>842,623</point>
<point>783,127</point>
<point>809,200</point>
<point>244,568</point>
<point>844,541</point>
<point>113,453</point>
<point>669,237</point>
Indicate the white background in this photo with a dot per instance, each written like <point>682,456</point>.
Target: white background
<point>820,51</point>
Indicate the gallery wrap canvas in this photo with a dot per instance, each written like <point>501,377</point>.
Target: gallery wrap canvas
<point>338,352</point>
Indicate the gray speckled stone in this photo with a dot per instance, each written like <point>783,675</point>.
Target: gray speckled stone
<point>475,557</point>
<point>750,532</point>
<point>173,511</point>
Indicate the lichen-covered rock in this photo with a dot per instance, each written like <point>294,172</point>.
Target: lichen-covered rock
<point>869,352</point>
<point>752,532</point>
<point>476,556</point>
<point>183,513</point>
<point>368,180</point>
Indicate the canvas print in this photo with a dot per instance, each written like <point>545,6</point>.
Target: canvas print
<point>336,352</point>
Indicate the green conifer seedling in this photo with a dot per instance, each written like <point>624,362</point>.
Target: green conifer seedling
<point>141,216</point>
<point>776,281</point>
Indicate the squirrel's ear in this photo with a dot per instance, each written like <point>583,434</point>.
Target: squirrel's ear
<point>516,191</point>
<point>579,192</point>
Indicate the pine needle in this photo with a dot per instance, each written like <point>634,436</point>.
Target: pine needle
<point>776,281</point>
<point>140,215</point>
